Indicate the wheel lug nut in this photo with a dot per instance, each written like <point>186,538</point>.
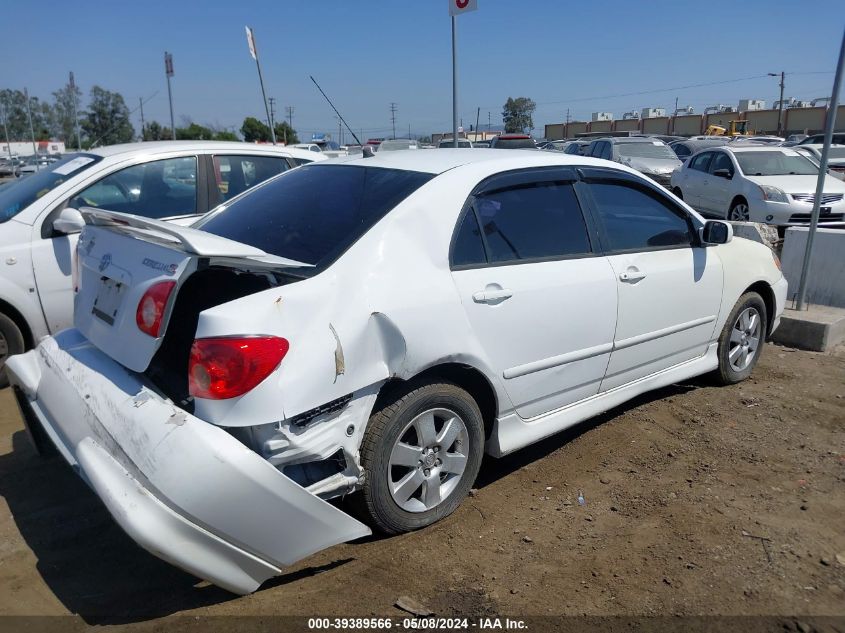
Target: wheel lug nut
<point>436,449</point>
<point>437,462</point>
<point>427,472</point>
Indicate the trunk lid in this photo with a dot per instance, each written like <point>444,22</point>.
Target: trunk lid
<point>120,256</point>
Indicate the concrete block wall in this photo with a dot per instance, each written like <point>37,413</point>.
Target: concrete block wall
<point>826,281</point>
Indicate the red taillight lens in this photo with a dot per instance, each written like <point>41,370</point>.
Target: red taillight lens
<point>221,368</point>
<point>151,307</point>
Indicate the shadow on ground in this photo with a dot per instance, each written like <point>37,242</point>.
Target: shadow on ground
<point>99,573</point>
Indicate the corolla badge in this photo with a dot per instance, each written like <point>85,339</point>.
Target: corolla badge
<point>168,269</point>
<point>105,260</point>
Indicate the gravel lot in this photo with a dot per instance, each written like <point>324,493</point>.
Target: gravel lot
<point>678,486</point>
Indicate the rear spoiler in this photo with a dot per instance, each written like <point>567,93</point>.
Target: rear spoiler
<point>186,239</point>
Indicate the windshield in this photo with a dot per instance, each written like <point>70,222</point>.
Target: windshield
<point>314,213</point>
<point>775,163</point>
<point>652,149</point>
<point>15,199</point>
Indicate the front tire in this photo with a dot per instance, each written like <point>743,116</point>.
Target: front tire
<point>421,453</point>
<point>11,342</point>
<point>739,211</point>
<point>741,340</point>
<point>677,191</point>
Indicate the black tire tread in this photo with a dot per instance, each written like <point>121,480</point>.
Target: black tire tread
<point>724,375</point>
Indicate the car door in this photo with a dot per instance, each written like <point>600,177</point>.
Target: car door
<point>694,178</point>
<point>155,189</point>
<point>540,300</point>
<point>718,194</point>
<point>669,288</point>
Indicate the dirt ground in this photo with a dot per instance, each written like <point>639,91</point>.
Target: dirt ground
<point>678,485</point>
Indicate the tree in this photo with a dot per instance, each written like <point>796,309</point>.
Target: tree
<point>225,135</point>
<point>66,102</point>
<point>254,130</point>
<point>106,121</point>
<point>194,132</point>
<point>17,119</point>
<point>285,133</point>
<point>517,114</point>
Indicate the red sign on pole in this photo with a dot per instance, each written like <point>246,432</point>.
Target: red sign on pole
<point>457,7</point>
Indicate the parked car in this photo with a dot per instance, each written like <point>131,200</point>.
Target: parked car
<point>39,221</point>
<point>448,143</point>
<point>221,384</point>
<point>577,148</point>
<point>481,144</point>
<point>512,141</point>
<point>311,147</point>
<point>649,156</point>
<point>835,158</point>
<point>685,149</point>
<point>398,144</point>
<point>556,146</point>
<point>793,139</point>
<point>818,139</point>
<point>775,185</point>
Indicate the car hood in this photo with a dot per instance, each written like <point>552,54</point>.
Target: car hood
<point>653,165</point>
<point>799,184</point>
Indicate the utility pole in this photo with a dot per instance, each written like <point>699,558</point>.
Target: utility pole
<point>168,70</point>
<point>31,131</point>
<point>253,50</point>
<point>454,85</point>
<point>289,110</point>
<point>6,131</point>
<point>409,130</point>
<point>489,121</point>
<point>75,112</point>
<point>477,114</point>
<point>780,103</point>
<point>141,102</point>
<point>393,117</point>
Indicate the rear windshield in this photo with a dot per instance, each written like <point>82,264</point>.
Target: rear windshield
<point>15,199</point>
<point>514,143</point>
<point>314,213</point>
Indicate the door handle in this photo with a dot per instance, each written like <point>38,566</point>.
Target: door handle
<point>492,296</point>
<point>632,275</point>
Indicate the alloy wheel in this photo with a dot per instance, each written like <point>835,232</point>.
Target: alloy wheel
<point>428,460</point>
<point>745,339</point>
<point>740,213</point>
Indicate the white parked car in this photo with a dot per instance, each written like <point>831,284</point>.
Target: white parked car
<point>374,326</point>
<point>39,225</point>
<point>835,157</point>
<point>775,185</point>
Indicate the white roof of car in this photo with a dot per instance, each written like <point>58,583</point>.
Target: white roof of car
<point>445,159</point>
<point>162,147</point>
<point>757,148</point>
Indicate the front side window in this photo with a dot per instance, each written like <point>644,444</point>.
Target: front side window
<point>236,174</point>
<point>701,162</point>
<point>532,221</point>
<point>313,213</point>
<point>158,189</point>
<point>636,218</point>
<point>721,161</point>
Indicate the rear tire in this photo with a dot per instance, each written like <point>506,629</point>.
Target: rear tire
<point>11,342</point>
<point>421,453</point>
<point>678,193</point>
<point>741,340</point>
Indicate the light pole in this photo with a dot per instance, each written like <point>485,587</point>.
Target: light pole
<point>780,103</point>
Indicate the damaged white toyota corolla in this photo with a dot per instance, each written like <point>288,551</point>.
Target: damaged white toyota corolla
<point>374,326</point>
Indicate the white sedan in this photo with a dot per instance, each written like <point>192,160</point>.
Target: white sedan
<point>774,185</point>
<point>373,326</point>
<point>177,180</point>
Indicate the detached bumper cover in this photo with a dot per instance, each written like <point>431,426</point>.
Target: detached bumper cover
<point>185,490</point>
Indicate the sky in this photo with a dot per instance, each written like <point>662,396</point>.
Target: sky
<point>611,56</point>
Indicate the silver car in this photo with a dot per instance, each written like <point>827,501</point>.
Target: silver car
<point>650,156</point>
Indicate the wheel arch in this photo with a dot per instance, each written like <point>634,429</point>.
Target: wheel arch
<point>467,377</point>
<point>15,315</point>
<point>763,289</point>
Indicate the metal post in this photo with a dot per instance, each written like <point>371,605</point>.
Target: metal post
<point>6,132</point>
<point>266,107</point>
<point>31,130</point>
<point>829,124</point>
<point>75,112</point>
<point>168,69</point>
<point>454,85</point>
<point>141,102</point>
<point>477,115</point>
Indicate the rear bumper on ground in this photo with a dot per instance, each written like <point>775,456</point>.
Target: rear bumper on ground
<point>183,489</point>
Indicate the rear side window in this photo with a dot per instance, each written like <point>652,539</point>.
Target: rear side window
<point>681,151</point>
<point>533,221</point>
<point>468,248</point>
<point>638,219</point>
<point>236,174</point>
<point>314,213</point>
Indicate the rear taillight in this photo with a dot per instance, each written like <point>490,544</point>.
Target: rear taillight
<point>221,368</point>
<point>151,307</point>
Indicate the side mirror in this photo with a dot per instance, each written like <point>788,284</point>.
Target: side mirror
<point>69,221</point>
<point>723,173</point>
<point>716,232</point>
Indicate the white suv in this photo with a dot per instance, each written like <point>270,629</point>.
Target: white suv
<point>39,222</point>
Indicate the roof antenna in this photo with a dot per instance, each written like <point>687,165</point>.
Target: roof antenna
<point>357,140</point>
